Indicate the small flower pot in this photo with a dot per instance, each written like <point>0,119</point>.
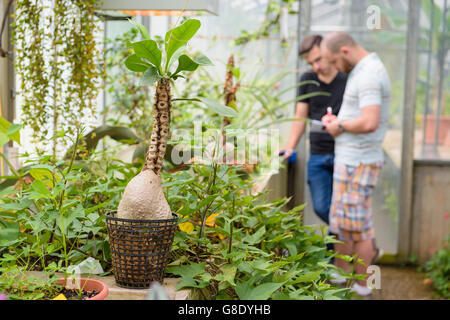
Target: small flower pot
<point>139,249</point>
<point>90,285</point>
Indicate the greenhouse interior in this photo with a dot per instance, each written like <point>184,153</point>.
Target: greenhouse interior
<point>224,150</point>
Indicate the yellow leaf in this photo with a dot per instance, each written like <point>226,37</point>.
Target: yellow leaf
<point>186,227</point>
<point>219,235</point>
<point>60,297</point>
<point>211,220</point>
<point>44,175</point>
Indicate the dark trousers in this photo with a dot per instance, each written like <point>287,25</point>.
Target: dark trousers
<point>320,181</point>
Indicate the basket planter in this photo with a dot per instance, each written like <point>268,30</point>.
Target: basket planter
<point>139,249</point>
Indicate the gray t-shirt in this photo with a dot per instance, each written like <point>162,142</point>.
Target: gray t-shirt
<point>367,84</point>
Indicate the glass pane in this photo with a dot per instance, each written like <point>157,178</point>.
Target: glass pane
<point>378,26</point>
<point>432,134</point>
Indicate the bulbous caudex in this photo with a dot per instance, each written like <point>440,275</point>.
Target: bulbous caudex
<point>143,197</point>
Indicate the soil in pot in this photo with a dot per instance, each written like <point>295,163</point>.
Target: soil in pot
<point>72,294</point>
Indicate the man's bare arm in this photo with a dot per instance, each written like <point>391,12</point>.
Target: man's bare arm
<point>298,128</point>
<point>366,123</point>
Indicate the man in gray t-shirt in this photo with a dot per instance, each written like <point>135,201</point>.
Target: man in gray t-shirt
<point>359,130</point>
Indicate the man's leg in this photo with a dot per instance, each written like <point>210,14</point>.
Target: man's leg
<point>365,251</point>
<point>320,182</point>
<point>345,248</point>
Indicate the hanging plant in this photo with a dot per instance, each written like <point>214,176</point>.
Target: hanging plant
<point>57,62</point>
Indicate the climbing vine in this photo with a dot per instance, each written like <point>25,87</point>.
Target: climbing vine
<point>57,59</point>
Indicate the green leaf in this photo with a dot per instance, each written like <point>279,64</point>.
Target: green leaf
<point>256,237</point>
<point>141,28</point>
<point>9,231</point>
<point>261,292</point>
<point>186,64</point>
<point>308,277</point>
<point>4,139</point>
<point>189,270</point>
<point>179,36</point>
<point>44,175</point>
<point>203,60</point>
<point>219,108</point>
<point>22,204</point>
<point>4,125</point>
<point>175,56</point>
<point>228,274</point>
<point>14,132</point>
<point>148,49</point>
<point>136,64</point>
<point>150,77</point>
<point>40,188</point>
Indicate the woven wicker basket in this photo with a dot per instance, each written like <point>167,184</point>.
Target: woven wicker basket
<point>139,249</point>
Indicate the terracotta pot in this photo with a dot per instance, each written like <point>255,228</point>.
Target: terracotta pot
<point>89,285</point>
<point>443,132</point>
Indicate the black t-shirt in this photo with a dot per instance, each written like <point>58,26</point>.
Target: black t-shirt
<point>322,142</point>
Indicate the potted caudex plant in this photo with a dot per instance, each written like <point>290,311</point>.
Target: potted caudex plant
<point>141,232</point>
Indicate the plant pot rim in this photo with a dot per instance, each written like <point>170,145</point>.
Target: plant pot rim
<point>103,292</point>
<point>110,216</point>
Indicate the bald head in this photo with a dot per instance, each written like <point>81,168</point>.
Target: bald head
<point>334,41</point>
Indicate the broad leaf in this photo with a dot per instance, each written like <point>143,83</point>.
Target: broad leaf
<point>148,49</point>
<point>136,64</point>
<point>150,77</point>
<point>186,64</point>
<point>141,28</point>
<point>203,60</point>
<point>4,139</point>
<point>22,204</point>
<point>11,131</point>
<point>40,188</point>
<point>308,277</point>
<point>179,36</point>
<point>44,175</point>
<point>14,132</point>
<point>261,292</point>
<point>219,108</point>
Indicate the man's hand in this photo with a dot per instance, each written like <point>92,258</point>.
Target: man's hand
<point>286,152</point>
<point>328,118</point>
<point>333,128</point>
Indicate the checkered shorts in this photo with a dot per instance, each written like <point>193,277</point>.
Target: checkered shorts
<point>351,209</point>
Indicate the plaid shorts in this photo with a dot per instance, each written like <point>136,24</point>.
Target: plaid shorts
<point>351,208</point>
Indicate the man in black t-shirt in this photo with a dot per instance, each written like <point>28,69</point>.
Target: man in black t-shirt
<point>314,107</point>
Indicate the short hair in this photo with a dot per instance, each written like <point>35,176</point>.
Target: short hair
<point>308,43</point>
<point>337,39</point>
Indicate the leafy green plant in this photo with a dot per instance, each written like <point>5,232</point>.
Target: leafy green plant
<point>55,212</point>
<point>18,285</point>
<point>234,244</point>
<point>438,269</point>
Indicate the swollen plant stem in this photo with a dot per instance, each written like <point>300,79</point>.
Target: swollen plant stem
<point>161,127</point>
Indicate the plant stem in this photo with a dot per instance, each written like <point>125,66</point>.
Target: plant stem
<point>230,239</point>
<point>212,181</point>
<point>16,173</point>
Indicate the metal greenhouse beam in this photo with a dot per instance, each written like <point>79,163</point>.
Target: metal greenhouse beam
<point>211,6</point>
<point>407,158</point>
